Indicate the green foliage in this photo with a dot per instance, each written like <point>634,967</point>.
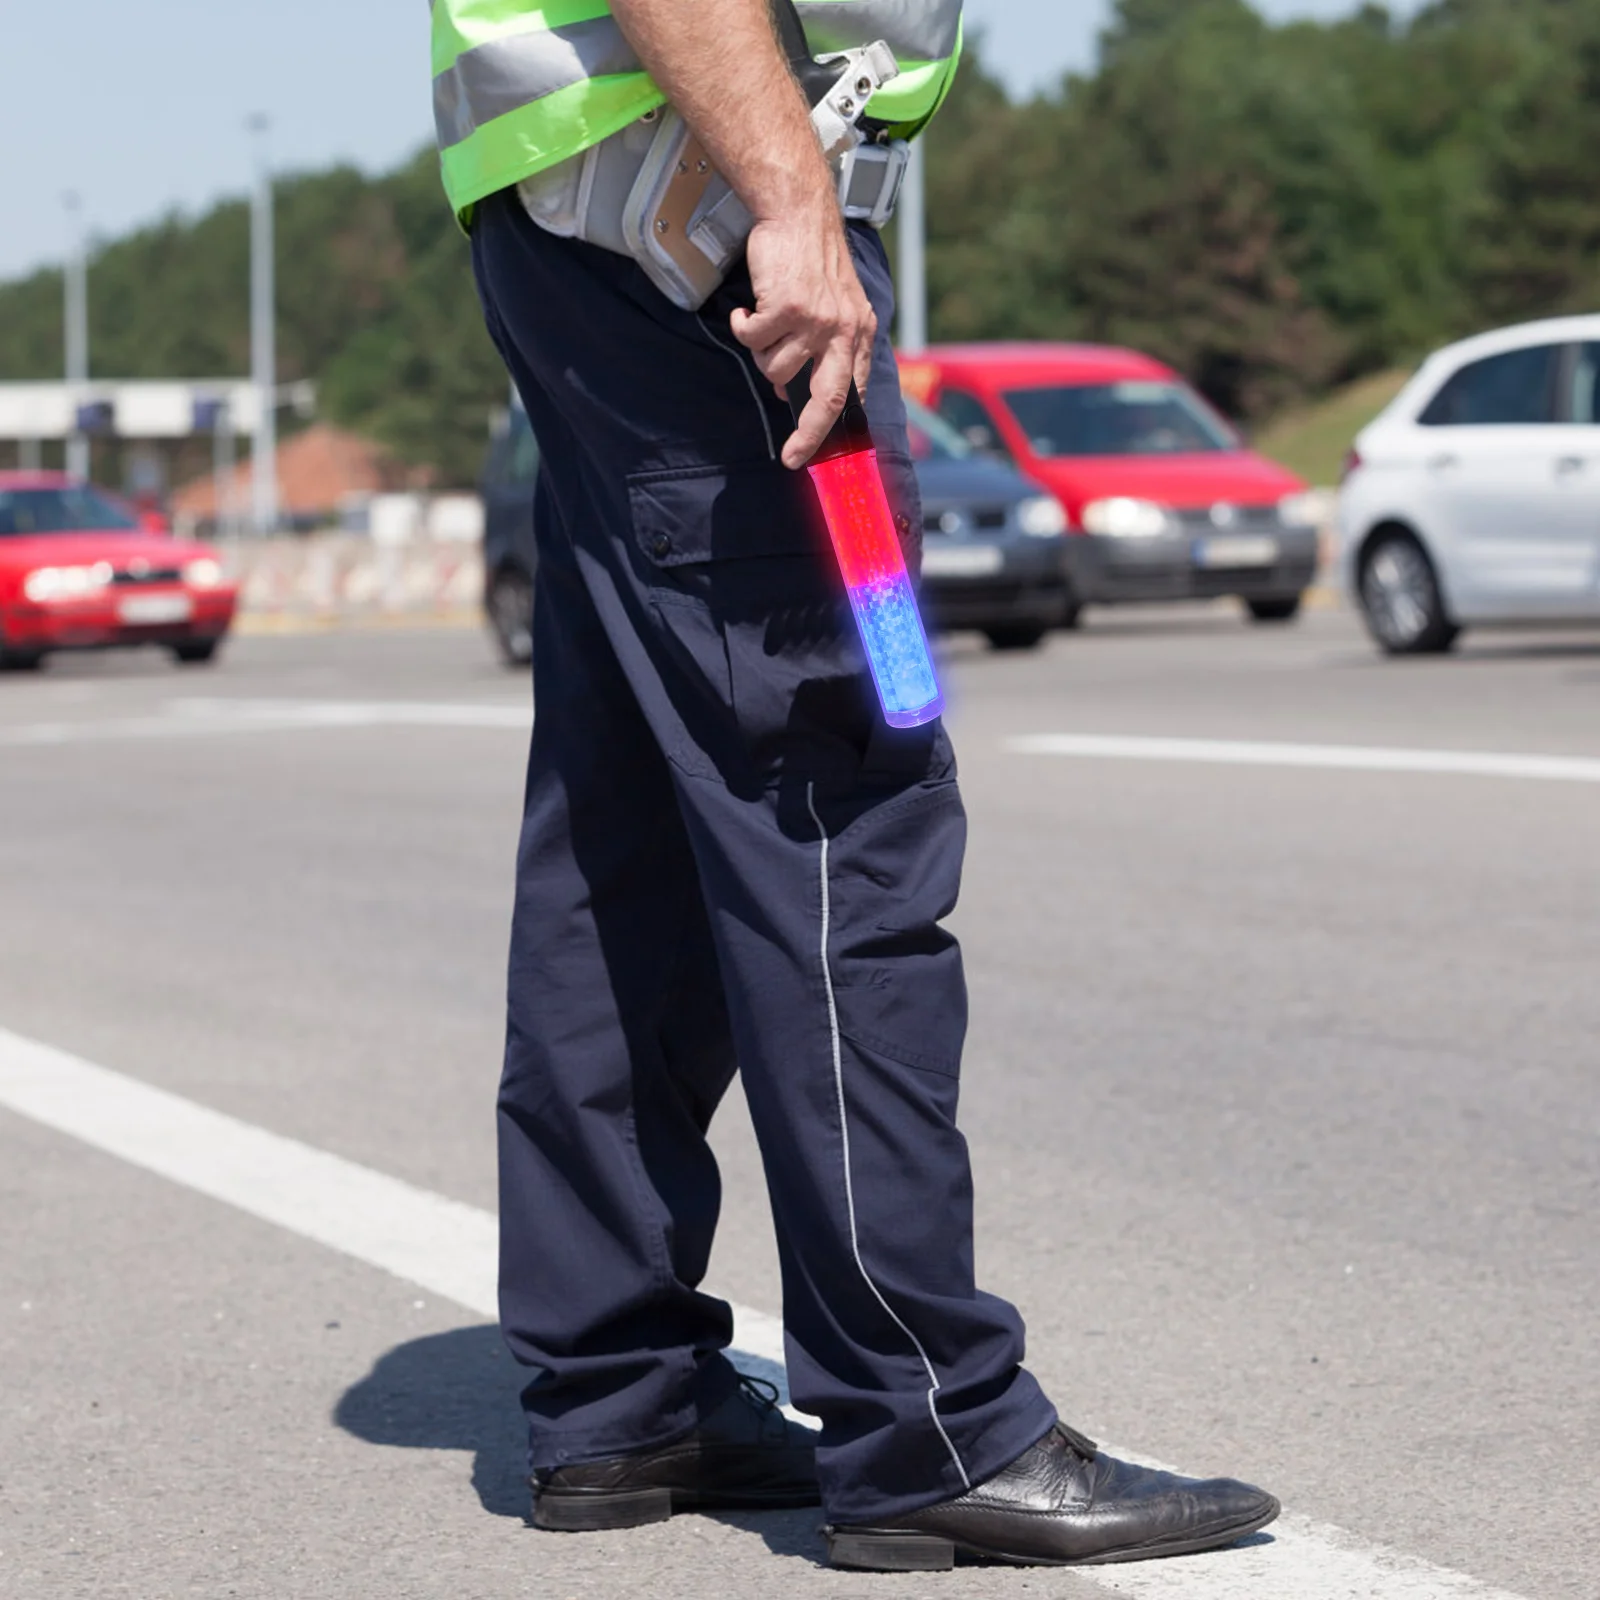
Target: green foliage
<point>1275,210</point>
<point>1535,237</point>
<point>1312,440</point>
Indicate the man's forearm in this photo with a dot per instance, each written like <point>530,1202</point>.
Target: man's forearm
<point>719,63</point>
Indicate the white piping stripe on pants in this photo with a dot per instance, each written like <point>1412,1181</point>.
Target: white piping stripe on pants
<point>844,1137</point>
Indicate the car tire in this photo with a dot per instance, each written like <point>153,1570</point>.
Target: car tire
<point>20,660</point>
<point>509,603</point>
<point>1400,598</point>
<point>1016,635</point>
<point>1282,608</point>
<point>196,652</point>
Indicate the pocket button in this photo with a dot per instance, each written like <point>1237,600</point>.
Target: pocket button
<point>661,545</point>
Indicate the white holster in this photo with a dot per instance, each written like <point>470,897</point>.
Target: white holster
<point>651,193</point>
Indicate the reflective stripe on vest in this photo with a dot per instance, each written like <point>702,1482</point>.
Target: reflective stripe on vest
<point>505,74</point>
<point>518,88</point>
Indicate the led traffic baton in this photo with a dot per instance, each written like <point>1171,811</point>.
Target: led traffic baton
<point>861,526</point>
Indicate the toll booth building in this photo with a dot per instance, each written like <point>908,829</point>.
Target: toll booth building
<point>142,435</point>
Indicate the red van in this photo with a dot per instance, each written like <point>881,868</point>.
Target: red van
<point>1164,501</point>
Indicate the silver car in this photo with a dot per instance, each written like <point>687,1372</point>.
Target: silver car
<point>1474,497</point>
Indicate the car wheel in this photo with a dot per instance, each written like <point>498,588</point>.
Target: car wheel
<point>195,652</point>
<point>1015,635</point>
<point>1400,598</point>
<point>1283,609</point>
<point>510,607</point>
<point>21,660</point>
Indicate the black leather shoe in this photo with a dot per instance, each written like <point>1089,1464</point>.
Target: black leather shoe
<point>745,1456</point>
<point>1061,1503</point>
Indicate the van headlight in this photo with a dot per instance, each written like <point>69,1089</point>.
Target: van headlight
<point>202,573</point>
<point>1121,517</point>
<point>1305,510</point>
<point>1041,516</point>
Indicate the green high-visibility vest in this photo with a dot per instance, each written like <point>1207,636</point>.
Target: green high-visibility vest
<point>519,86</point>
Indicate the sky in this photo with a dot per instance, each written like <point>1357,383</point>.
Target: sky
<point>141,109</point>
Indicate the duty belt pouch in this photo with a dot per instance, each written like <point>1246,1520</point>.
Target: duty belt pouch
<point>682,222</point>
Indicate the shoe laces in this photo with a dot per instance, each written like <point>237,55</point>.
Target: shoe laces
<point>763,1396</point>
<point>762,1391</point>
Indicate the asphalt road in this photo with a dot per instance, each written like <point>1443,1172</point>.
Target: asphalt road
<point>1281,1091</point>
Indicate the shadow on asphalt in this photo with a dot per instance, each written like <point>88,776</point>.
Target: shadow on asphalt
<point>1488,650</point>
<point>449,1391</point>
<point>797,1534</point>
<point>460,1391</point>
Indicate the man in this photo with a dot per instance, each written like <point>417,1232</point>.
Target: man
<point>727,860</point>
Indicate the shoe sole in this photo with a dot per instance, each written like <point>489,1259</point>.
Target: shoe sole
<point>595,1512</point>
<point>908,1550</point>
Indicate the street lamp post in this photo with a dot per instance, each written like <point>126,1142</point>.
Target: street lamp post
<point>77,332</point>
<point>912,288</point>
<point>222,471</point>
<point>263,342</point>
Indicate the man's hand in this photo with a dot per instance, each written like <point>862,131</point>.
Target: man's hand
<point>719,63</point>
<point>809,307</point>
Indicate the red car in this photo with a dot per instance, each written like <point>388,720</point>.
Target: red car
<point>80,571</point>
<point>1163,499</point>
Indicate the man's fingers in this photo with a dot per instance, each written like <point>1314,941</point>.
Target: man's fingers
<point>865,339</point>
<point>782,362</point>
<point>767,325</point>
<point>809,308</point>
<point>809,432</point>
<point>863,365</point>
<point>830,388</point>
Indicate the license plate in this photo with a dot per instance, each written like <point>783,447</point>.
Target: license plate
<point>144,610</point>
<point>1238,551</point>
<point>960,561</point>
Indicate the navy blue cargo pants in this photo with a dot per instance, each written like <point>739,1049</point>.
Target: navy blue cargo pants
<point>728,862</point>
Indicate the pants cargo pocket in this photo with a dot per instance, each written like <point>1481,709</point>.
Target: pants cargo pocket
<point>756,648</point>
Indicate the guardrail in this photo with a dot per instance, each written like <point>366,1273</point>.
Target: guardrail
<point>335,577</point>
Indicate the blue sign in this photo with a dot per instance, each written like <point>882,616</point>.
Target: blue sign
<point>96,417</point>
<point>210,416</point>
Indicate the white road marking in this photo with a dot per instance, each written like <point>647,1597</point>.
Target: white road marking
<point>449,1248</point>
<point>1305,1560</point>
<point>206,719</point>
<point>1337,757</point>
<point>428,1239</point>
<point>442,1244</point>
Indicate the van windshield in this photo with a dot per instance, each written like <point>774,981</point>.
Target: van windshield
<point>1118,419</point>
<point>931,437</point>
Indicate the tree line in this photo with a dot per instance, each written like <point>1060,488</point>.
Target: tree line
<point>1273,209</point>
